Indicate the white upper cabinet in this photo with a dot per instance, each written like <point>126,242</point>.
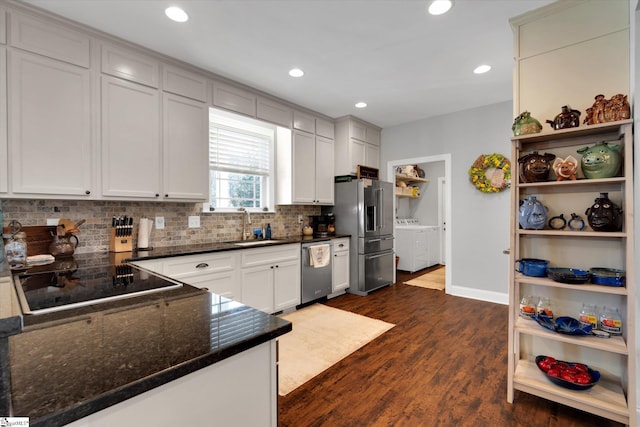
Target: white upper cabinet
<point>45,37</point>
<point>234,99</point>
<point>183,82</point>
<point>273,112</point>
<point>324,170</point>
<point>3,119</point>
<point>325,128</point>
<point>130,65</point>
<point>356,143</point>
<point>3,26</point>
<point>186,148</point>
<point>303,121</point>
<point>304,168</point>
<point>50,126</point>
<point>130,139</point>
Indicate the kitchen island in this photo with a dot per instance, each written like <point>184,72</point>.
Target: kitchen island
<point>183,356</point>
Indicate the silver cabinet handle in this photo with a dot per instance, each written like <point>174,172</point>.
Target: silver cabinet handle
<point>202,265</point>
<point>374,240</point>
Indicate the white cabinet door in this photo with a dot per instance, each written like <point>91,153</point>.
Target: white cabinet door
<point>372,156</point>
<point>183,82</point>
<point>50,126</point>
<point>225,283</point>
<point>304,121</point>
<point>274,112</point>
<point>357,153</point>
<point>324,166</point>
<point>287,289</point>
<point>186,149</point>
<point>325,128</point>
<point>130,139</point>
<point>257,287</point>
<point>304,170</point>
<point>340,272</point>
<point>234,99</point>
<point>130,65</point>
<point>4,175</point>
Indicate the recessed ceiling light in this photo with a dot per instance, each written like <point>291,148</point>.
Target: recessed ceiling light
<point>482,69</point>
<point>438,7</point>
<point>296,72</point>
<point>361,105</point>
<point>176,14</point>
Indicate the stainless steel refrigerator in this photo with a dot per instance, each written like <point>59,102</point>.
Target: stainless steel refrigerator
<point>364,209</point>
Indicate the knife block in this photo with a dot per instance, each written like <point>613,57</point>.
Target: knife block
<point>119,243</point>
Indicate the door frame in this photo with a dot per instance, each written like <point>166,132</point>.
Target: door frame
<point>446,158</point>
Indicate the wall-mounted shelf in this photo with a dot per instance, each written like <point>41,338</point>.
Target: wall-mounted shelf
<point>410,179</point>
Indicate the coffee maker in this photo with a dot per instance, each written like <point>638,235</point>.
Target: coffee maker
<point>323,225</point>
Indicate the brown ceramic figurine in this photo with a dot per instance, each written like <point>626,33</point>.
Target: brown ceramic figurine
<point>608,110</point>
<point>535,167</point>
<point>568,118</point>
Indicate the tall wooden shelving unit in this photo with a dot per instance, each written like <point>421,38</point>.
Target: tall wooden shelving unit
<point>614,396</point>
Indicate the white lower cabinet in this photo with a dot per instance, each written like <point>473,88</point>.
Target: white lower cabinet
<point>271,277</point>
<point>340,265</point>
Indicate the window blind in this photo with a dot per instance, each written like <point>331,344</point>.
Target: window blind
<point>238,152</point>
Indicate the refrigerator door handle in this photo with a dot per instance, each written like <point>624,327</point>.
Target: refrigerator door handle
<point>373,240</point>
<point>380,207</point>
<point>377,256</point>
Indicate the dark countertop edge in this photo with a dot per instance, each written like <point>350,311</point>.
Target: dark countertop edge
<point>136,388</point>
<point>205,248</point>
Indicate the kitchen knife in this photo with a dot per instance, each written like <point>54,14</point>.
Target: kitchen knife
<point>130,226</point>
<point>125,221</point>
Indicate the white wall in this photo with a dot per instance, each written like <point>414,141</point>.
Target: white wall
<point>479,222</point>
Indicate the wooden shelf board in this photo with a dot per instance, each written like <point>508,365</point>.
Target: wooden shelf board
<point>572,132</point>
<point>407,178</point>
<point>605,234</point>
<point>606,399</point>
<point>545,281</point>
<point>615,344</point>
<point>408,196</point>
<point>578,182</point>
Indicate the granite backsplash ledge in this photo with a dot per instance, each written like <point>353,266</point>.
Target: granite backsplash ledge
<point>94,233</point>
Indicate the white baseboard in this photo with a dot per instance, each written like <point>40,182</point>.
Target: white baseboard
<point>479,294</point>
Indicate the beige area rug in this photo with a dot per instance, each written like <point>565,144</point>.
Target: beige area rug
<point>432,280</point>
<point>321,337</point>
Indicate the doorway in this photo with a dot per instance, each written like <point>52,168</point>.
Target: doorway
<point>444,200</point>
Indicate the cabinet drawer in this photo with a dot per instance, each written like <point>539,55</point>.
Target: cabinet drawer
<point>260,256</point>
<point>49,39</point>
<point>130,65</point>
<point>304,122</point>
<point>183,82</point>
<point>200,264</point>
<point>325,128</point>
<point>341,244</point>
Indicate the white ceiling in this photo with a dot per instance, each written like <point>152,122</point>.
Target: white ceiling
<point>406,64</point>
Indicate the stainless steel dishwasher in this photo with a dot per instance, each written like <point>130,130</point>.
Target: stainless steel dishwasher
<point>316,280</point>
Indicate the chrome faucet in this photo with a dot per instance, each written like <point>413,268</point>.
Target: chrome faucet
<point>246,219</point>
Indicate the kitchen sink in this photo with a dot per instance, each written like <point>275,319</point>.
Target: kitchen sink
<point>255,242</point>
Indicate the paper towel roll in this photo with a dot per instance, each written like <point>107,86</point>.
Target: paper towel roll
<point>144,231</point>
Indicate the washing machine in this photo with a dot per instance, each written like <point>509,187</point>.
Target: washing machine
<point>417,245</point>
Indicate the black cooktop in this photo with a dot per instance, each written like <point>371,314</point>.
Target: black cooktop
<point>44,290</point>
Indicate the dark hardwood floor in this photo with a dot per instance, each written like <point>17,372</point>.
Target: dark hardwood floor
<point>443,364</point>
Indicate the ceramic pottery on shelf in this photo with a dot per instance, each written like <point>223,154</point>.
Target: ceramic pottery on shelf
<point>604,215</point>
<point>568,118</point>
<point>535,167</point>
<point>608,110</point>
<point>524,124</point>
<point>565,168</point>
<point>533,214</point>
<point>600,161</point>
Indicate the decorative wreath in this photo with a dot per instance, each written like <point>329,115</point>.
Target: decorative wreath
<point>500,177</point>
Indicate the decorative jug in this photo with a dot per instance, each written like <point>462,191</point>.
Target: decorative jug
<point>535,167</point>
<point>604,215</point>
<point>600,161</point>
<point>533,215</point>
<point>524,124</point>
<point>568,118</point>
<point>62,246</point>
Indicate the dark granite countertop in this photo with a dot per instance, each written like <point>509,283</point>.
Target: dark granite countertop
<point>59,367</point>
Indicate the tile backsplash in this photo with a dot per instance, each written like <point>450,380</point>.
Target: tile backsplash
<point>94,233</point>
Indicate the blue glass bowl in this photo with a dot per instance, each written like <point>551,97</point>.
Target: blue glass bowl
<point>568,384</point>
<point>607,276</point>
<point>568,275</point>
<point>564,325</point>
